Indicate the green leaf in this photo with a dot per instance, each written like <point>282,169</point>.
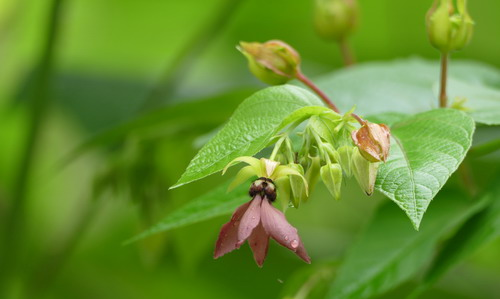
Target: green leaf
<point>482,103</point>
<point>389,252</point>
<point>251,127</point>
<point>480,229</point>
<point>179,115</point>
<point>217,202</point>
<point>425,150</point>
<point>411,86</point>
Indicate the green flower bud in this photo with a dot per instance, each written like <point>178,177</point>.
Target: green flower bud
<point>299,189</point>
<point>284,192</point>
<point>345,159</point>
<point>449,31</point>
<point>331,174</point>
<point>312,173</point>
<point>335,19</point>
<point>364,171</point>
<point>273,62</point>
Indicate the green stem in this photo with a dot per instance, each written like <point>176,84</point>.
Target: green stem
<point>40,99</point>
<point>444,77</point>
<point>175,72</point>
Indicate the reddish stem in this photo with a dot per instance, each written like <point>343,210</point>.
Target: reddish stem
<point>347,54</point>
<point>444,74</point>
<point>359,119</point>
<point>302,78</point>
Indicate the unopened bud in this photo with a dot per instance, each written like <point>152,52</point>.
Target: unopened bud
<point>335,19</point>
<point>331,174</point>
<point>299,189</point>
<point>373,141</point>
<point>345,158</point>
<point>364,171</point>
<point>312,173</point>
<point>284,192</point>
<point>273,62</point>
<point>449,31</point>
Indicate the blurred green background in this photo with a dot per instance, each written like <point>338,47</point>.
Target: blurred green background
<point>117,59</point>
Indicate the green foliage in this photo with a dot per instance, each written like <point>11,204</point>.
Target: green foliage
<point>426,149</point>
<point>389,252</point>
<point>411,86</point>
<point>177,117</point>
<point>480,229</point>
<point>251,128</point>
<point>216,202</point>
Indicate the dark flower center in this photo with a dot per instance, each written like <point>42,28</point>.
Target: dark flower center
<point>264,187</point>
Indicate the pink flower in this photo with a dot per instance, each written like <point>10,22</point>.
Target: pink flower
<point>256,221</point>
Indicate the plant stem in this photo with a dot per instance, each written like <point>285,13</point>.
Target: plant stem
<point>444,77</point>
<point>302,78</point>
<point>39,102</point>
<point>347,53</point>
<point>174,73</point>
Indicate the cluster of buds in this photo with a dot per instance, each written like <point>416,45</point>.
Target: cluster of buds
<point>344,151</point>
<point>447,29</point>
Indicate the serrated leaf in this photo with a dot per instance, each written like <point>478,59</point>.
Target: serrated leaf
<point>412,85</point>
<point>215,203</point>
<point>425,150</point>
<point>389,251</point>
<point>251,127</point>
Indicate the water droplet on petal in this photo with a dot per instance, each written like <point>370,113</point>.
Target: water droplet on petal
<point>294,243</point>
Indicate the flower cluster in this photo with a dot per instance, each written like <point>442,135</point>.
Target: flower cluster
<point>332,148</point>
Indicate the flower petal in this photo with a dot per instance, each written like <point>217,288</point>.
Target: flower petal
<point>276,225</point>
<point>302,253</point>
<point>259,242</point>
<point>250,219</point>
<point>243,175</point>
<point>270,166</point>
<point>255,163</point>
<point>228,236</point>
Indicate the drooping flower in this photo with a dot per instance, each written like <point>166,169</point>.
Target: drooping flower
<point>257,221</point>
